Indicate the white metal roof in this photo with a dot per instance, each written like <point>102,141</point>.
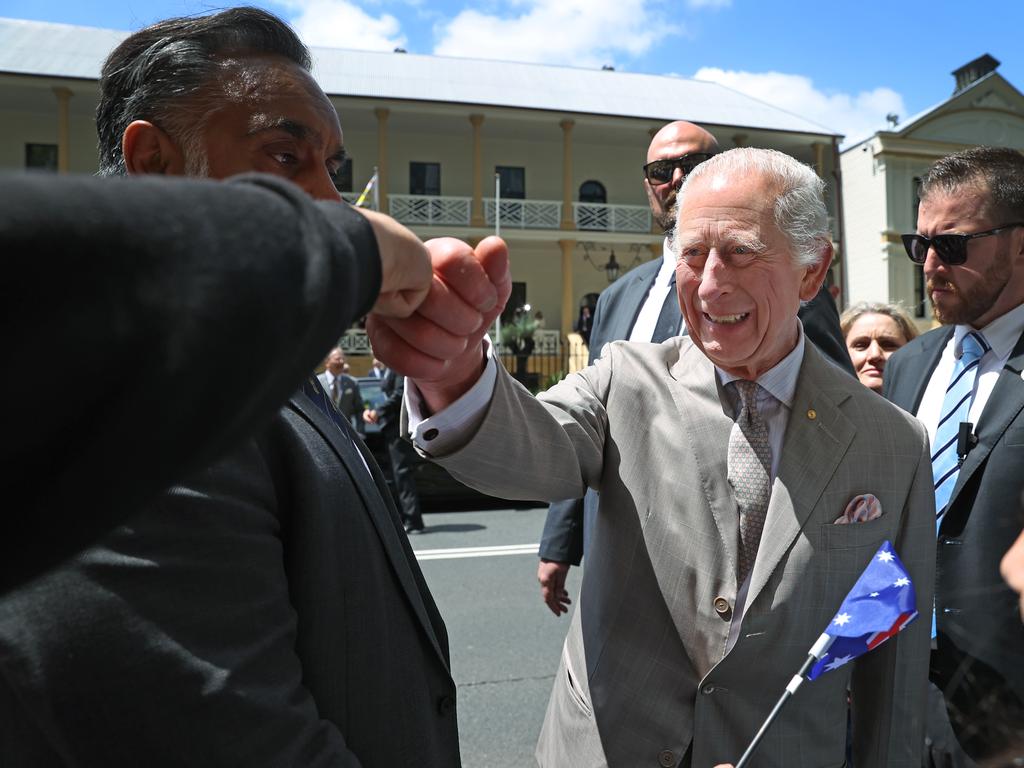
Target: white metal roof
<point>62,50</point>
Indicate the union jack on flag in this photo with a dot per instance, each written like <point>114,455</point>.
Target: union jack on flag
<point>879,606</point>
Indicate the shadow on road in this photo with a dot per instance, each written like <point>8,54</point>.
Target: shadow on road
<point>454,528</point>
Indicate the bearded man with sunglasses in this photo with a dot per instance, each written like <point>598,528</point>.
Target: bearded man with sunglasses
<point>963,381</point>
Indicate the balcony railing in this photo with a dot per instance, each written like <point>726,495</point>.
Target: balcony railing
<point>430,210</point>
<point>525,214</point>
<point>612,218</point>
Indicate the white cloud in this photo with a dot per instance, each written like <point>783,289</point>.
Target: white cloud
<point>854,115</point>
<point>585,33</point>
<point>343,24</point>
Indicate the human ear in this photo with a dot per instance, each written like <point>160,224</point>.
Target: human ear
<point>814,275</point>
<point>148,149</point>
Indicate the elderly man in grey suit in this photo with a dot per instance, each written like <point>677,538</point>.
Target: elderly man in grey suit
<point>717,556</point>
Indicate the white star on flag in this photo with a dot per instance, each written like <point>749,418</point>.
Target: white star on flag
<point>841,620</point>
<point>873,594</point>
<point>885,557</point>
<point>903,581</point>
<point>837,662</point>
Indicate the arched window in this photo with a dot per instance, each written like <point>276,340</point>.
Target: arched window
<point>593,192</point>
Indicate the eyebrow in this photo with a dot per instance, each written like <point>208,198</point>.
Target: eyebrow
<point>301,132</point>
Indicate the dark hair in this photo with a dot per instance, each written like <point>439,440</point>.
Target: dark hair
<point>1000,170</point>
<point>164,73</point>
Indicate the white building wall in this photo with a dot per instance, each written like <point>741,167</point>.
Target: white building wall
<point>864,201</point>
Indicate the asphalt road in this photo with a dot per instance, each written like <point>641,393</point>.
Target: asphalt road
<point>482,569</point>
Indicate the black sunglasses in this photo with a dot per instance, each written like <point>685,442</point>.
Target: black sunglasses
<point>951,249</point>
<point>661,171</point>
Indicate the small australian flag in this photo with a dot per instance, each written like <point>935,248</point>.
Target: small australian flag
<point>881,604</point>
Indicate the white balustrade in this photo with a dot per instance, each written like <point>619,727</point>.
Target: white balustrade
<point>612,218</point>
<point>430,210</point>
<point>355,342</point>
<point>525,214</point>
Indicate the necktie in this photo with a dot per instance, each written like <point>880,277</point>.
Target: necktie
<point>336,390</point>
<point>668,320</point>
<point>750,462</point>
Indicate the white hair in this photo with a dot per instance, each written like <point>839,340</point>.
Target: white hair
<point>800,211</point>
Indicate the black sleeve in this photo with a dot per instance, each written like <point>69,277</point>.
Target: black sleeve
<point>562,540</point>
<point>148,325</point>
<point>821,324</point>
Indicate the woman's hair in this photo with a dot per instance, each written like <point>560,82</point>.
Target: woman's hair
<point>896,312</point>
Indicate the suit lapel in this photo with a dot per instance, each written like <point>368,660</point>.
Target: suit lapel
<point>629,305</point>
<point>1005,402</point>
<point>817,437</point>
<point>373,490</point>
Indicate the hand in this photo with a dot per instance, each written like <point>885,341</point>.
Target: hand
<point>551,576</point>
<point>405,266</point>
<point>370,416</point>
<point>439,346</point>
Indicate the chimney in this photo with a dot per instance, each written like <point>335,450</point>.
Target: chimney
<point>973,71</point>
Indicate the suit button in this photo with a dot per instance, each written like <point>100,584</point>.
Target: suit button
<point>723,608</point>
<point>445,704</point>
<point>708,689</point>
<point>666,758</point>
<point>430,434</point>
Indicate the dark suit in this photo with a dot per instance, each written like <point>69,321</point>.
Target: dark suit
<point>350,402</point>
<point>979,659</point>
<point>266,611</point>
<point>401,453</point>
<point>617,310</point>
<point>153,294</point>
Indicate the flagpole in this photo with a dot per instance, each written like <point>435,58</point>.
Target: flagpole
<point>497,233</point>
<point>817,651</point>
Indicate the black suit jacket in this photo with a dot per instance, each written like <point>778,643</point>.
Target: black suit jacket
<point>616,313</point>
<point>267,612</point>
<point>152,293</point>
<point>350,404</point>
<point>979,659</point>
<point>389,413</point>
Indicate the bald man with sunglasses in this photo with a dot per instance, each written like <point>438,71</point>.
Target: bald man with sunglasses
<point>963,381</point>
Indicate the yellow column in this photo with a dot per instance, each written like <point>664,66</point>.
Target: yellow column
<point>63,128</point>
<point>382,156</point>
<point>819,158</point>
<point>568,303</point>
<point>476,216</point>
<point>568,220</point>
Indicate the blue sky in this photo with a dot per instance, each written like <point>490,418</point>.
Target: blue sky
<point>844,66</point>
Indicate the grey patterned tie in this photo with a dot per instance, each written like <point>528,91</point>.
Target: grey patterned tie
<point>750,462</point>
<point>336,391</point>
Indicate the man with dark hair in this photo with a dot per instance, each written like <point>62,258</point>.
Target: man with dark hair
<point>267,611</point>
<point>963,381</point>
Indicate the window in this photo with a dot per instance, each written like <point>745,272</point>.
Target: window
<point>425,179</point>
<point>593,192</point>
<point>516,300</point>
<point>513,182</point>
<point>41,157</point>
<point>343,177</point>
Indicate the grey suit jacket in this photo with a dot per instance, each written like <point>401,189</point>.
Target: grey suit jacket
<point>979,659</point>
<point>644,675</point>
<point>350,405</point>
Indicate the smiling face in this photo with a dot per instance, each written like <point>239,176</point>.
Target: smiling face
<point>871,340</point>
<point>275,120</point>
<point>991,282</point>
<point>738,285</point>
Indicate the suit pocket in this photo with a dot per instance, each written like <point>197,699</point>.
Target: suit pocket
<point>856,535</point>
<point>575,690</point>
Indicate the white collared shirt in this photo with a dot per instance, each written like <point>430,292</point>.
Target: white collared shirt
<point>650,310</point>
<point>1002,335</point>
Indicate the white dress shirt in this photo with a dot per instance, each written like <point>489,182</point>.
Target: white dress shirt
<point>1002,335</point>
<point>650,310</point>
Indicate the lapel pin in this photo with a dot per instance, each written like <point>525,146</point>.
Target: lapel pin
<point>812,414</point>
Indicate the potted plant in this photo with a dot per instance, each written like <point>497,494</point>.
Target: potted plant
<point>517,338</point>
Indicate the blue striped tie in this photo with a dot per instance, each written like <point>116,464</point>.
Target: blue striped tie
<point>956,407</point>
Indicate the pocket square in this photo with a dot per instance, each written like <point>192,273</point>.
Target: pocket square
<point>861,509</point>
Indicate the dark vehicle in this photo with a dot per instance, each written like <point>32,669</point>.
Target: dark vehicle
<point>434,485</point>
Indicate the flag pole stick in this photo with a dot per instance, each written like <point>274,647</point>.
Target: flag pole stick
<point>817,651</point>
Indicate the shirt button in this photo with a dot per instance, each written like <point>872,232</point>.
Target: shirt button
<point>666,758</point>
<point>445,704</point>
<point>722,607</point>
<point>708,689</point>
<point>430,434</point>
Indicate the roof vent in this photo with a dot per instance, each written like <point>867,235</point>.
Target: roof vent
<point>400,50</point>
<point>607,68</point>
<point>973,71</point>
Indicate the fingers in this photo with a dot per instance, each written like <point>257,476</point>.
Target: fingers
<point>551,576</point>
<point>459,267</point>
<point>398,354</point>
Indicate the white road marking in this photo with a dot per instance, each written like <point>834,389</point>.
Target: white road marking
<point>453,553</point>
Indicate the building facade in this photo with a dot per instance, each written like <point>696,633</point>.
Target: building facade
<point>881,175</point>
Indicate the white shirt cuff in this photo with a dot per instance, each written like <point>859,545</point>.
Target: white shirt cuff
<point>451,428</point>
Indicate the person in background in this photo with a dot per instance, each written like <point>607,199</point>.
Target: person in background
<point>873,332</point>
<point>342,389</point>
